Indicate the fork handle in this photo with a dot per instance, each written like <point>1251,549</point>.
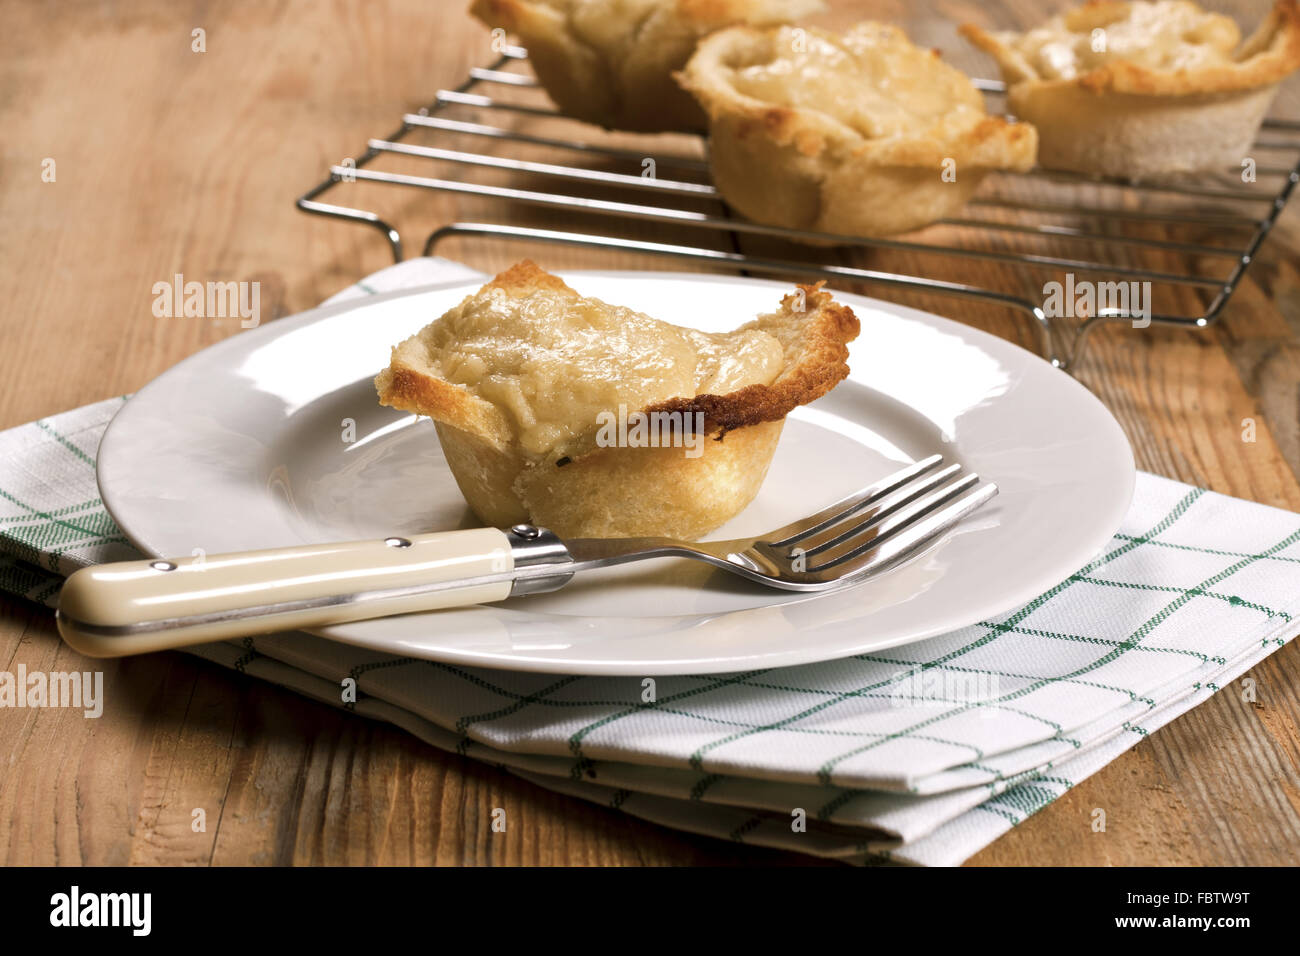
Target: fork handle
<point>133,607</point>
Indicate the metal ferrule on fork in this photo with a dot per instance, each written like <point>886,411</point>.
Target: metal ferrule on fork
<point>540,553</point>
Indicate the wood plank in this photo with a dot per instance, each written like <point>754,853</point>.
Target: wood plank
<point>185,162</point>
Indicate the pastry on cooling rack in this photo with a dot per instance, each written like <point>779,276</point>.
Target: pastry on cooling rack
<point>1139,89</point>
<point>595,420</point>
<point>861,134</point>
<point>610,62</point>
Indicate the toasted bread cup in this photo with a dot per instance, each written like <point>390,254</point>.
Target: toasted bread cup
<point>862,134</point>
<point>1141,89</point>
<point>520,453</point>
<point>610,62</point>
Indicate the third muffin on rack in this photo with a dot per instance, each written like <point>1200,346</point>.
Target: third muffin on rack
<point>862,134</point>
<point>1140,89</point>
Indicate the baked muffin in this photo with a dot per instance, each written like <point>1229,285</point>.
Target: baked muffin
<point>1140,89</point>
<point>610,62</point>
<point>861,134</point>
<point>538,395</point>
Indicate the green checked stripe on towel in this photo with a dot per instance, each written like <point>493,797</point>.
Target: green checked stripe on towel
<point>920,754</point>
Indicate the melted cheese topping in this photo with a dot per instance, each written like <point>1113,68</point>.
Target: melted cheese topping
<point>1165,35</point>
<point>553,363</point>
<point>872,79</point>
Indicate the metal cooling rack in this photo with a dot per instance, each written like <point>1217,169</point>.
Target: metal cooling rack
<point>1191,239</point>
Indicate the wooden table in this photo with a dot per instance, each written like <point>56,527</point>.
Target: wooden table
<point>171,161</point>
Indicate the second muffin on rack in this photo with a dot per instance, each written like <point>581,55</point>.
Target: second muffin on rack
<point>862,134</point>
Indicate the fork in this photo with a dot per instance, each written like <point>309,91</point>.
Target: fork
<point>133,607</point>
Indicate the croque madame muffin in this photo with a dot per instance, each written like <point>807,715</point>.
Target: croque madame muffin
<point>861,134</point>
<point>610,62</point>
<point>526,378</point>
<point>1140,89</point>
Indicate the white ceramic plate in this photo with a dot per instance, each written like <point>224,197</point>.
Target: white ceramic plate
<point>243,446</point>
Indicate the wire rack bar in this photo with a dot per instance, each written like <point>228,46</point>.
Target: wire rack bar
<point>688,218</point>
<point>1237,218</point>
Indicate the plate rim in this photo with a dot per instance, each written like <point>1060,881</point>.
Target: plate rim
<point>1015,596</point>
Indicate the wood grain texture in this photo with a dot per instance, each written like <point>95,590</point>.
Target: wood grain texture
<point>171,161</point>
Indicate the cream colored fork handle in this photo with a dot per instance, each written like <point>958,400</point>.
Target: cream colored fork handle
<point>133,607</point>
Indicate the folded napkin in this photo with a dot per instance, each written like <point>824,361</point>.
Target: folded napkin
<point>920,754</point>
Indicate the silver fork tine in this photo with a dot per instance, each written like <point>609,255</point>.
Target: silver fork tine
<point>880,525</point>
<point>853,503</point>
<point>912,527</point>
<point>855,524</point>
<point>871,532</point>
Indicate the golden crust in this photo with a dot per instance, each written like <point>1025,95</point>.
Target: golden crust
<point>994,142</point>
<point>803,168</point>
<point>614,491</point>
<point>814,331</point>
<point>816,346</point>
<point>407,385</point>
<point>651,492</point>
<point>1131,120</point>
<point>1267,57</point>
<point>525,277</point>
